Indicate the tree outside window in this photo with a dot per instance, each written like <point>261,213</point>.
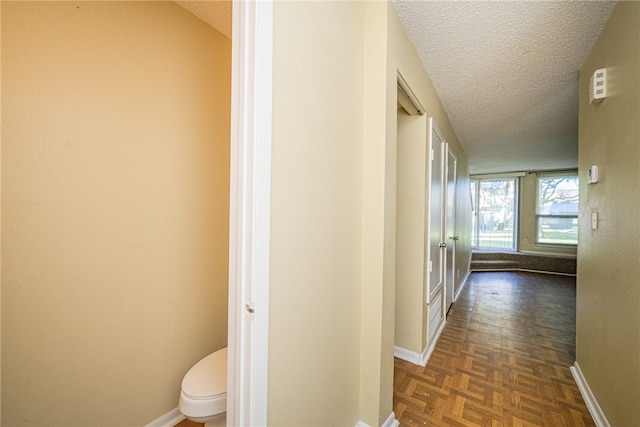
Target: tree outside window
<point>494,213</point>
<point>557,209</point>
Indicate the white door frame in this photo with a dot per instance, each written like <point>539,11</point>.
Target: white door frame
<point>250,206</point>
<point>450,220</point>
<point>435,205</point>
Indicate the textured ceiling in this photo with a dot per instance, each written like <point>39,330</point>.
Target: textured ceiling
<point>506,72</point>
<point>216,13</point>
<point>507,75</point>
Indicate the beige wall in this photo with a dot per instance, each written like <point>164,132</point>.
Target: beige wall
<point>333,218</point>
<point>410,229</point>
<point>403,58</point>
<point>333,232</point>
<point>316,231</point>
<point>115,130</point>
<point>378,223</point>
<point>0,227</point>
<point>608,299</point>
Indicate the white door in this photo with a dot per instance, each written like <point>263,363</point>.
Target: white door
<point>436,217</point>
<point>452,238</point>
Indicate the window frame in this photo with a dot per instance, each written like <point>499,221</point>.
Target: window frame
<point>475,201</point>
<point>540,216</point>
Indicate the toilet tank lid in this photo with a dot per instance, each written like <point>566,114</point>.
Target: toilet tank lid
<point>208,377</point>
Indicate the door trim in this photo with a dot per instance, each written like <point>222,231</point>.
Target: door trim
<point>430,289</point>
<point>450,204</point>
<point>250,206</point>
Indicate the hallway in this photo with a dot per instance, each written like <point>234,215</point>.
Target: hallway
<point>502,360</point>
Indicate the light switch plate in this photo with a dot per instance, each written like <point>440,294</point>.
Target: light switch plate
<point>592,175</point>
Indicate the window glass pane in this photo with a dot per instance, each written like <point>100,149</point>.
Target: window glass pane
<point>557,209</point>
<point>495,214</point>
<point>474,213</point>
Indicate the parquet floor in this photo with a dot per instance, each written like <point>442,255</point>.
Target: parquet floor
<point>502,359</point>
<point>189,423</point>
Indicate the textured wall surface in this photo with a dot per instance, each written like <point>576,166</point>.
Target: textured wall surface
<point>608,299</point>
<point>115,146</point>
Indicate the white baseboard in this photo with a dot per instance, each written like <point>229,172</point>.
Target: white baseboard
<point>169,419</point>
<point>553,273</point>
<point>463,283</point>
<point>389,422</point>
<point>522,270</point>
<point>419,358</point>
<point>408,355</point>
<point>592,404</point>
<point>434,341</point>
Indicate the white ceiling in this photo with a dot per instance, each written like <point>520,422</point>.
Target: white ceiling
<point>506,72</point>
<point>507,75</point>
<point>216,13</point>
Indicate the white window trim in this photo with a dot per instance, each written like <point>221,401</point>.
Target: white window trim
<point>537,215</point>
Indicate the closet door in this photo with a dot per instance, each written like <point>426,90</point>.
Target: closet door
<point>452,238</point>
<point>435,207</point>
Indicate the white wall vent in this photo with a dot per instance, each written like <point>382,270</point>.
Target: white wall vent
<point>598,86</point>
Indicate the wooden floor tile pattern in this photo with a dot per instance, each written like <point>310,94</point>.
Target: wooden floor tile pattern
<point>502,359</point>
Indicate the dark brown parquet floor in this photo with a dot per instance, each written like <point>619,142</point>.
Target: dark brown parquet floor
<point>502,359</point>
<point>189,423</point>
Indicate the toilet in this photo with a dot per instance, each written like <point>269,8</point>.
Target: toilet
<point>203,397</point>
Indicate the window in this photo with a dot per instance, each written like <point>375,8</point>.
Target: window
<point>557,209</point>
<point>493,202</point>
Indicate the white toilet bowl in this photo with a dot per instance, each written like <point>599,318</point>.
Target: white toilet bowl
<point>203,397</point>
